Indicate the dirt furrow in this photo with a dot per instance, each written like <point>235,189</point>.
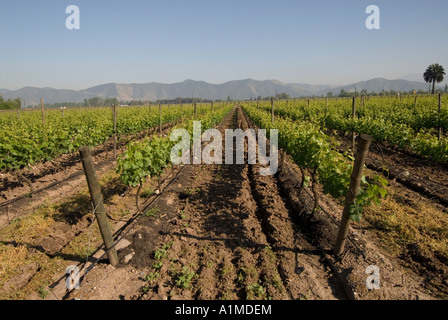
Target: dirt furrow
<point>234,238</point>
<point>299,263</point>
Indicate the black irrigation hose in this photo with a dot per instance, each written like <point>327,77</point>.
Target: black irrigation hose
<point>30,194</point>
<point>329,216</point>
<point>132,222</point>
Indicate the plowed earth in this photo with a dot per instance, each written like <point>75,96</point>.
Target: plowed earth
<point>220,231</point>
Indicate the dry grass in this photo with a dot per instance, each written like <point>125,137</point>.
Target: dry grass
<point>404,218</point>
<point>17,254</point>
<point>24,268</point>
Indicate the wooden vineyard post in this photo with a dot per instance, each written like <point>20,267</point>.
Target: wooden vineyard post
<point>19,107</point>
<point>43,118</point>
<point>415,104</point>
<point>355,182</point>
<point>354,115</point>
<point>212,106</point>
<point>195,110</point>
<point>160,118</point>
<point>115,130</point>
<point>439,134</point>
<point>98,204</point>
<point>272,109</point>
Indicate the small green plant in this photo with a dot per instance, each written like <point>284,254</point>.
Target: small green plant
<point>276,281</point>
<point>146,193</point>
<point>160,255</point>
<point>152,276</point>
<point>183,278</point>
<point>256,290</point>
<point>43,291</point>
<point>305,296</point>
<point>153,212</point>
<point>241,276</point>
<point>191,191</point>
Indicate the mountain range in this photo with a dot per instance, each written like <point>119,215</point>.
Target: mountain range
<point>238,90</point>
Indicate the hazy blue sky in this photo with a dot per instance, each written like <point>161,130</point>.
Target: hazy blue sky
<point>137,41</point>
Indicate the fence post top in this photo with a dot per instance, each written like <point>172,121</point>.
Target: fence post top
<point>366,137</point>
<point>85,152</point>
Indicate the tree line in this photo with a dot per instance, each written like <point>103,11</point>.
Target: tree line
<point>10,104</point>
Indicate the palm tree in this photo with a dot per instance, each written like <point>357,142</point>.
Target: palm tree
<point>434,73</point>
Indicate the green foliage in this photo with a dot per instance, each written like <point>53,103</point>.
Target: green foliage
<point>256,290</point>
<point>24,141</point>
<point>371,193</point>
<point>402,123</point>
<point>149,157</point>
<point>142,159</point>
<point>184,277</point>
<point>160,255</point>
<point>434,73</point>
<point>312,149</point>
<point>10,104</point>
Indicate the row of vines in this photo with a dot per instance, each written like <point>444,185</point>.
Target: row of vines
<point>314,152</point>
<point>32,137</point>
<point>411,123</point>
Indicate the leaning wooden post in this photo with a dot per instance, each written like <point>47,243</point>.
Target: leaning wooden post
<point>98,204</point>
<point>115,130</point>
<point>272,109</point>
<point>355,183</point>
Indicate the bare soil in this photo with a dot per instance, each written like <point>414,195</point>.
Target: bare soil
<point>417,173</point>
<point>215,232</point>
<point>225,232</point>
<point>58,178</point>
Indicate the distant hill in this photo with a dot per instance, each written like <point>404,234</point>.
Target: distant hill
<point>413,77</point>
<point>238,90</point>
<point>32,95</point>
<point>380,84</point>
